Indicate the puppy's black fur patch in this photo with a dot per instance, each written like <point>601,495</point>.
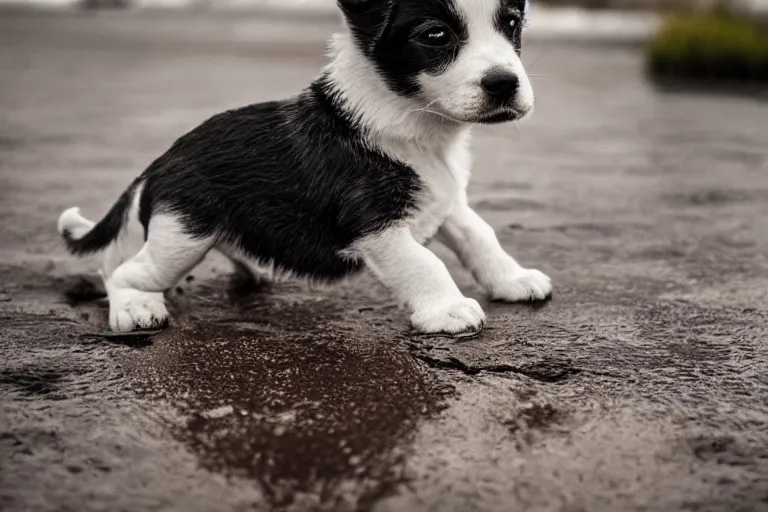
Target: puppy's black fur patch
<point>395,35</point>
<point>286,182</point>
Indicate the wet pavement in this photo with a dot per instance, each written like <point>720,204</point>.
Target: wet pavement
<point>642,386</point>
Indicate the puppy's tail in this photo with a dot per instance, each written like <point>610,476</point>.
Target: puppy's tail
<point>84,237</point>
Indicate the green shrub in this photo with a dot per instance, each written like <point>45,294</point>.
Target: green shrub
<point>710,46</point>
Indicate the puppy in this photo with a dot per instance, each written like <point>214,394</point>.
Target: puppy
<point>357,172</point>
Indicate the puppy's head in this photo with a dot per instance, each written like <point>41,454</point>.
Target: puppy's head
<point>459,58</point>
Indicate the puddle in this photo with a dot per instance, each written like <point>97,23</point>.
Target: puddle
<point>300,411</point>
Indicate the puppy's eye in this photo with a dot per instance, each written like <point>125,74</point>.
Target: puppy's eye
<point>513,22</point>
<point>435,36</point>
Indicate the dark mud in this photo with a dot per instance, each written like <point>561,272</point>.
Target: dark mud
<point>643,384</point>
<point>288,393</point>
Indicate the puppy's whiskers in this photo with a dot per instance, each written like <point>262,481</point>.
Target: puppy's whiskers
<point>440,114</point>
<point>427,110</point>
<point>536,60</point>
<point>425,107</point>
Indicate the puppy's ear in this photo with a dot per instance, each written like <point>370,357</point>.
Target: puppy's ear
<point>368,20</point>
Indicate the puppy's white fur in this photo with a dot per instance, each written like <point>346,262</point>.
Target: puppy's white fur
<point>73,222</point>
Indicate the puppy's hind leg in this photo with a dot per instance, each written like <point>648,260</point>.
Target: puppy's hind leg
<point>136,287</point>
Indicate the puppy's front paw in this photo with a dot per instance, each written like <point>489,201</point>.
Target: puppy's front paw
<point>133,310</point>
<point>523,285</point>
<point>451,315</point>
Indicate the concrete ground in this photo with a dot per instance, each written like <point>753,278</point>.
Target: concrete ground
<point>642,386</point>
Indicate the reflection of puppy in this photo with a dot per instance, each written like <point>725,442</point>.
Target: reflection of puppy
<point>357,171</point>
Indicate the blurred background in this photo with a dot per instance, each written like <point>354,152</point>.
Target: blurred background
<point>640,184</point>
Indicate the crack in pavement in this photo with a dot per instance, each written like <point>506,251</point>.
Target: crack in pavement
<point>452,363</point>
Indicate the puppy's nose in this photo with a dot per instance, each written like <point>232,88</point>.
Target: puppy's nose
<point>500,85</point>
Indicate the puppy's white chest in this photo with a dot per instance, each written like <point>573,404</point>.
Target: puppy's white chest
<point>443,167</point>
<point>435,202</point>
<point>444,181</point>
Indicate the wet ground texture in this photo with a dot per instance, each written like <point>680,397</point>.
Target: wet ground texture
<point>642,386</point>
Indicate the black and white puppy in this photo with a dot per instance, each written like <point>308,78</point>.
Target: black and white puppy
<point>358,171</point>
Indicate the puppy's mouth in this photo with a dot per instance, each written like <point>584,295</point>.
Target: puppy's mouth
<point>496,115</point>
<point>506,115</point>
